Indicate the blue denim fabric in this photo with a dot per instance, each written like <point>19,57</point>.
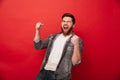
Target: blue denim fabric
<point>46,75</point>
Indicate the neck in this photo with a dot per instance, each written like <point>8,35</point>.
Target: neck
<point>67,34</point>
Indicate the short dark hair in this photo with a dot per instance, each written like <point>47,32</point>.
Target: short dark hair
<point>69,15</point>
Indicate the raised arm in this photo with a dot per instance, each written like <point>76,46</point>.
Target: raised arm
<point>76,58</point>
<point>37,31</point>
<point>38,43</point>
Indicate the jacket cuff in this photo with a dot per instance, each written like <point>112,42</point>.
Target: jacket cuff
<point>37,40</point>
<point>77,63</point>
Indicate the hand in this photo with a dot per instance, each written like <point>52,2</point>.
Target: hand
<point>39,25</point>
<point>75,40</point>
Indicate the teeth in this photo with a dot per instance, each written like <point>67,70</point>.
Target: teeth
<point>65,27</point>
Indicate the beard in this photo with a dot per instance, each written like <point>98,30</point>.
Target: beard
<point>68,32</point>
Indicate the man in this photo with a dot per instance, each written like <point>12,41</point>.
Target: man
<point>63,51</point>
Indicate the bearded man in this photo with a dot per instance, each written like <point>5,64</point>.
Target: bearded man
<point>63,50</point>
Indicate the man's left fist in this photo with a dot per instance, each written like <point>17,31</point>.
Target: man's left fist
<point>75,40</point>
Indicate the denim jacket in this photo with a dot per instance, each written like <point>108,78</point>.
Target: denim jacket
<point>65,65</point>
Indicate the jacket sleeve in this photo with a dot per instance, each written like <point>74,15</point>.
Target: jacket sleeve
<point>41,44</point>
<point>81,49</point>
<point>81,45</point>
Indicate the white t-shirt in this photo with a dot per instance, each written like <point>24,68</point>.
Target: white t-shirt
<point>56,52</point>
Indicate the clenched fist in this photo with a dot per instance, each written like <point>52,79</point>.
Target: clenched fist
<point>38,25</point>
<point>75,40</point>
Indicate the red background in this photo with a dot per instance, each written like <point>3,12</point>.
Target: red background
<point>98,24</point>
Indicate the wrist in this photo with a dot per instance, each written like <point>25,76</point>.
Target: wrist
<point>76,45</point>
<point>37,30</point>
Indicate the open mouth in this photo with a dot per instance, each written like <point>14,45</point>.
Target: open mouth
<point>65,27</point>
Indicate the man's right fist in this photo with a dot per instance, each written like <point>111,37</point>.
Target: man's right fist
<point>38,25</point>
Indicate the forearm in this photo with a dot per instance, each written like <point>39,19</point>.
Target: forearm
<point>37,35</point>
<point>76,58</point>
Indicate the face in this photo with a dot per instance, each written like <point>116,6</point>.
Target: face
<point>67,25</point>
